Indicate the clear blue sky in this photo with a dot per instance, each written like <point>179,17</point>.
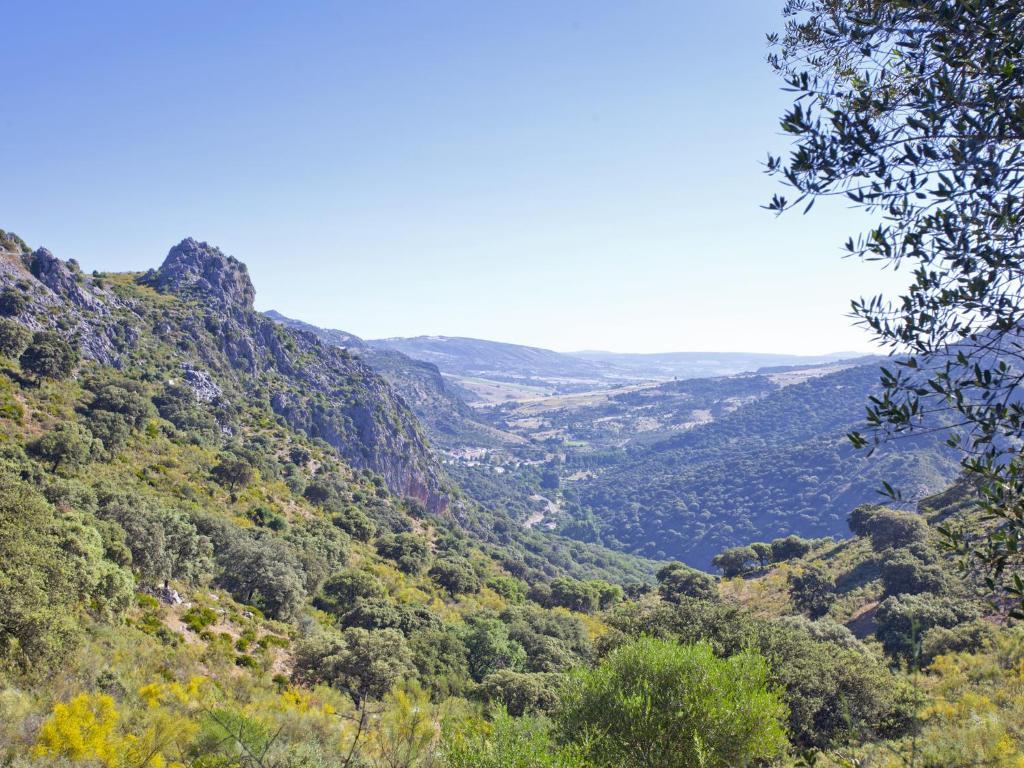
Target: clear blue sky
<point>565,174</point>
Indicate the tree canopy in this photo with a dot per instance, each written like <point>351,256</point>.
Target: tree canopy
<point>912,112</point>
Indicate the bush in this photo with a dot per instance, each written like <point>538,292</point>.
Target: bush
<point>972,637</point>
<point>14,337</point>
<point>356,524</point>
<point>813,590</point>
<point>48,356</point>
<point>834,693</point>
<point>407,550</point>
<point>658,704</point>
<point>455,574</point>
<point>521,693</point>
<point>12,302</point>
<point>506,742</point>
<point>677,581</point>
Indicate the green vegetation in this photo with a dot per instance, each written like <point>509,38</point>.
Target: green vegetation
<point>192,575</point>
<point>923,141</point>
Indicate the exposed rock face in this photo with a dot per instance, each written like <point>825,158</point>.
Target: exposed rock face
<point>227,346</point>
<point>58,277</point>
<point>55,290</point>
<point>198,269</point>
<point>317,388</point>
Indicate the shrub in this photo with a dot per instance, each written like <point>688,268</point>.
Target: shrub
<point>813,590</point>
<point>506,742</point>
<point>677,581</point>
<point>14,337</point>
<point>12,302</point>
<point>658,704</point>
<point>971,637</point>
<point>455,574</point>
<point>49,356</point>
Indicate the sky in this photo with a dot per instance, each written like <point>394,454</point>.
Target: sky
<point>571,175</point>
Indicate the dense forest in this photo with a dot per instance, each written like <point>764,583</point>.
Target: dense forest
<point>780,464</point>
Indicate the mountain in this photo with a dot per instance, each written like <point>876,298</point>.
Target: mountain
<point>769,465</point>
<point>492,371</point>
<point>334,338</point>
<point>223,538</point>
<point>691,365</point>
<point>448,420</point>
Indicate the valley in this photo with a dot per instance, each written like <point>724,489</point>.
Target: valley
<point>676,469</point>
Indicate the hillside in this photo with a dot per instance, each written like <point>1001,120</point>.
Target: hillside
<point>225,543</point>
<point>449,421</point>
<point>777,465</point>
<point>694,365</point>
<point>684,468</point>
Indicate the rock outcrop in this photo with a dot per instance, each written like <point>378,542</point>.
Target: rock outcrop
<point>200,270</point>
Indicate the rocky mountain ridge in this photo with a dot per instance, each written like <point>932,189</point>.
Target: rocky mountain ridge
<point>204,309</point>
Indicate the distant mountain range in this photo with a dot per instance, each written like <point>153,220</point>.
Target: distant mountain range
<point>483,371</point>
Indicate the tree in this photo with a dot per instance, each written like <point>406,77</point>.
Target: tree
<point>813,590</point>
<point>735,560</point>
<point>363,663</point>
<point>658,704</point>
<point>48,356</point>
<point>53,570</point>
<point>859,519</point>
<point>455,574</point>
<point>489,648</point>
<point>903,621</point>
<point>340,592</point>
<point>521,692</point>
<point>14,337</point>
<point>763,552</point>
<point>903,573</point>
<point>574,594</point>
<point>677,580</point>
<point>890,529</point>
<point>409,551</point>
<point>262,572</point>
<point>232,473</point>
<point>789,548</point>
<point>903,109</point>
<point>65,446</point>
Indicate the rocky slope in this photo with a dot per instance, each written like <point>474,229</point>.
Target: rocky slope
<point>201,306</point>
<point>450,423</point>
